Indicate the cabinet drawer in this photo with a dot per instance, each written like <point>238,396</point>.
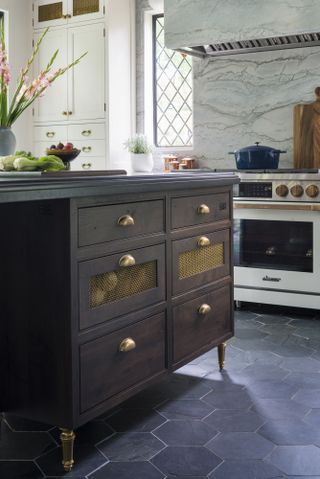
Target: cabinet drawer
<point>200,260</point>
<point>196,210</point>
<point>84,163</point>
<point>200,322</point>
<point>126,220</point>
<point>105,370</point>
<point>92,131</point>
<point>51,134</point>
<point>118,284</point>
<point>90,147</point>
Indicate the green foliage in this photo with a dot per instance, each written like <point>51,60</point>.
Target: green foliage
<point>138,144</point>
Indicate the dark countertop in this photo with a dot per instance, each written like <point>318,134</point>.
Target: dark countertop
<point>30,188</point>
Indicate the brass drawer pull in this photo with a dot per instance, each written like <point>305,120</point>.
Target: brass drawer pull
<point>50,134</point>
<point>204,309</point>
<point>86,149</point>
<point>125,220</point>
<point>127,345</point>
<point>65,113</point>
<point>86,166</point>
<point>203,210</point>
<point>86,132</point>
<point>203,241</point>
<point>70,112</point>
<point>126,261</point>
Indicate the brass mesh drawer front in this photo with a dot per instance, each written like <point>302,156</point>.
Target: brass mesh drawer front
<point>83,7</point>
<point>200,260</point>
<point>123,283</point>
<point>49,12</point>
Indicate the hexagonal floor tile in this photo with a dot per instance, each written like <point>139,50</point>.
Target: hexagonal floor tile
<point>185,409</point>
<point>24,445</point>
<point>254,469</point>
<point>265,373</point>
<point>234,421</point>
<point>267,389</point>
<point>89,434</point>
<point>297,460</point>
<point>303,365</point>
<point>127,470</point>
<point>185,433</point>
<point>290,432</point>
<point>228,400</point>
<point>131,446</point>
<point>136,420</point>
<point>309,398</point>
<point>304,381</point>
<point>240,445</point>
<point>21,424</point>
<point>279,408</point>
<point>19,469</point>
<point>313,418</point>
<point>186,461</point>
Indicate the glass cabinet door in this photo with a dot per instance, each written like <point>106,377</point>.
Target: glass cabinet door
<point>82,10</point>
<point>49,13</point>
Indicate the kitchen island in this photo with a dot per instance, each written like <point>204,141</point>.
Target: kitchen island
<point>108,284</point>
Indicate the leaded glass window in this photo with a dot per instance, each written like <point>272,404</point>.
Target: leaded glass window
<point>173,116</point>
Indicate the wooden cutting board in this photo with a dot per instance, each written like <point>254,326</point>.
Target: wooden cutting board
<point>306,134</point>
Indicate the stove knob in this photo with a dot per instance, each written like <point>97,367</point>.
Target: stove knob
<point>312,191</point>
<point>282,190</point>
<point>297,191</point>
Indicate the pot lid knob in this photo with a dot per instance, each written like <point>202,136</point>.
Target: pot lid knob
<point>257,143</point>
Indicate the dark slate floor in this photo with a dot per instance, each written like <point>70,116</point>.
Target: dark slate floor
<point>258,419</point>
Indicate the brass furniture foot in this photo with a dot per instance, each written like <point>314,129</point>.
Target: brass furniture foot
<point>221,354</point>
<point>67,440</point>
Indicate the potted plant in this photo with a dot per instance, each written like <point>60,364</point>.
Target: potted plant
<point>141,153</point>
<point>27,91</point>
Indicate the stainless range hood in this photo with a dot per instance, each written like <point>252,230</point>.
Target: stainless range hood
<point>209,28</point>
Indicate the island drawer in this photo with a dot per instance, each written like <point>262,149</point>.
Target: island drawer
<point>52,134</point>
<point>197,210</point>
<point>200,322</point>
<point>118,284</point>
<point>100,224</point>
<point>200,260</point>
<point>93,131</point>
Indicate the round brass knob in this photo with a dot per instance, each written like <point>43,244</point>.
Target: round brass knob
<point>65,113</point>
<point>125,220</point>
<point>296,191</point>
<point>312,191</point>
<point>203,210</point>
<point>126,261</point>
<point>204,309</point>
<point>127,345</point>
<point>282,190</point>
<point>203,241</point>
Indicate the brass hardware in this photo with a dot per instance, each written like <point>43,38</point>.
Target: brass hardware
<point>312,191</point>
<point>222,355</point>
<point>203,241</point>
<point>127,345</point>
<point>126,261</point>
<point>282,190</point>
<point>203,210</point>
<point>204,309</point>
<point>86,149</point>
<point>70,112</point>
<point>67,439</point>
<point>297,191</point>
<point>282,206</point>
<point>86,132</point>
<point>65,113</point>
<point>86,166</point>
<point>50,134</point>
<point>125,220</point>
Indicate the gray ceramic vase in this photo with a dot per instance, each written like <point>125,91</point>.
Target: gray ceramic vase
<point>7,141</point>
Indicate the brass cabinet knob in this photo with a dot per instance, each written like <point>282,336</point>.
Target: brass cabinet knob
<point>126,261</point>
<point>50,134</point>
<point>86,166</point>
<point>65,113</point>
<point>203,241</point>
<point>86,149</point>
<point>203,210</point>
<point>125,220</point>
<point>282,190</point>
<point>86,132</point>
<point>297,191</point>
<point>127,345</point>
<point>312,191</point>
<point>70,112</point>
<point>204,309</point>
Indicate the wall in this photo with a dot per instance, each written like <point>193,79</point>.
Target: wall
<point>20,28</point>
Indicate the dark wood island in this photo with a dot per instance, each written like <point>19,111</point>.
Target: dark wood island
<point>108,284</point>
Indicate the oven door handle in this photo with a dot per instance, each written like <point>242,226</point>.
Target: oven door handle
<point>273,206</point>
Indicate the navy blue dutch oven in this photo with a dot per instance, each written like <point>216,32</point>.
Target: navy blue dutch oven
<point>257,157</point>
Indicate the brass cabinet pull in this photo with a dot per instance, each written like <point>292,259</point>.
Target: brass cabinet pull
<point>50,134</point>
<point>127,345</point>
<point>125,220</point>
<point>203,241</point>
<point>204,309</point>
<point>86,166</point>
<point>203,210</point>
<point>86,132</point>
<point>70,112</point>
<point>126,261</point>
<point>86,149</point>
<point>65,113</point>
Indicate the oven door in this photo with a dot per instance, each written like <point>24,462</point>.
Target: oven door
<point>276,246</point>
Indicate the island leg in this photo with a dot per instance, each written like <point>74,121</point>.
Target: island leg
<point>67,440</point>
<point>221,355</point>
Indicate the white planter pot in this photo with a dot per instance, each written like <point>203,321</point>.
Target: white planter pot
<point>142,162</point>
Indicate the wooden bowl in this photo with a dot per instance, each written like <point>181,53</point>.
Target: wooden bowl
<point>65,155</point>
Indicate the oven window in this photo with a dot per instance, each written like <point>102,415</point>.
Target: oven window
<point>282,245</point>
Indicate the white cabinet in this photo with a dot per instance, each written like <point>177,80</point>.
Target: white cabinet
<point>49,13</point>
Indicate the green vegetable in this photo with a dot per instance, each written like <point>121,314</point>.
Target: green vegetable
<point>24,164</point>
<point>6,163</point>
<point>50,163</point>
<point>25,154</point>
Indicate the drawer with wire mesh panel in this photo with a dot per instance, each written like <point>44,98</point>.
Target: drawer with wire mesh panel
<point>200,260</point>
<point>118,284</point>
